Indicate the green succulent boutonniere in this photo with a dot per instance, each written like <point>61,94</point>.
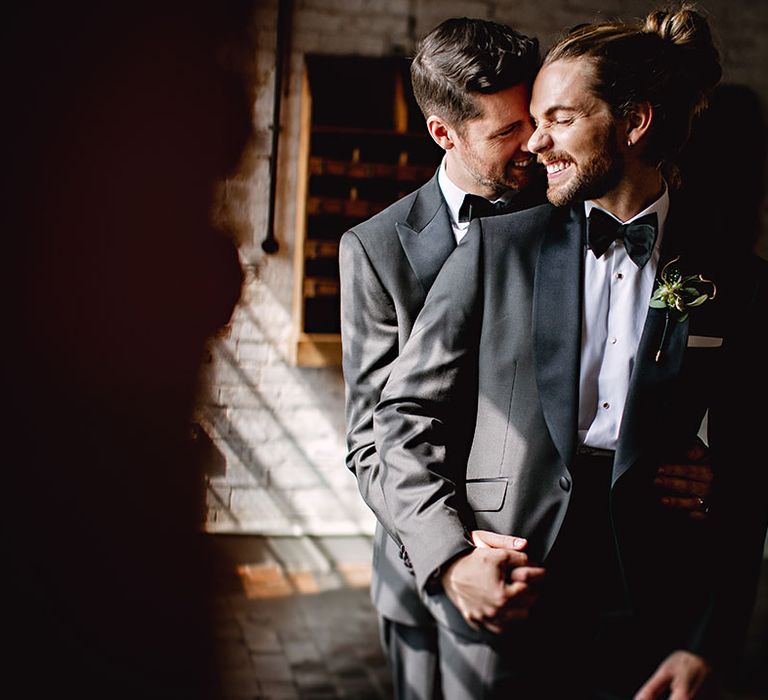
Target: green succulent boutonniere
<point>677,293</point>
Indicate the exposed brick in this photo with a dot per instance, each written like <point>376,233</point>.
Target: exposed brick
<point>241,396</point>
<point>330,43</point>
<point>318,20</point>
<point>340,6</point>
<point>252,352</point>
<point>259,505</point>
<point>394,7</point>
<point>317,502</point>
<point>378,25</point>
<point>431,14</point>
<point>218,495</point>
<point>289,477</point>
<point>252,425</point>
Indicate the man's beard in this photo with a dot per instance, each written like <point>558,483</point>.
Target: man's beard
<point>498,182</point>
<point>600,173</point>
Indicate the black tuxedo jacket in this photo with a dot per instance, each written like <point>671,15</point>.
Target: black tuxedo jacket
<point>497,348</point>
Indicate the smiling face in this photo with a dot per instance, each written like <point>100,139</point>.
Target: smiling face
<point>576,136</point>
<point>488,155</point>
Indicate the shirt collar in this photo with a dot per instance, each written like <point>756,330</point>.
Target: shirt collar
<point>454,195</point>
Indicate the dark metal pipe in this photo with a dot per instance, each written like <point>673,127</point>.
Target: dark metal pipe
<point>282,51</point>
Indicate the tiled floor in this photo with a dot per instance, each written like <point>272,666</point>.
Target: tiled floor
<point>294,621</point>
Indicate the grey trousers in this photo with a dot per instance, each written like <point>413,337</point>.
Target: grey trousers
<point>413,658</point>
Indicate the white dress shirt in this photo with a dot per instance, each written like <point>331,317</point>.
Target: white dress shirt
<point>616,296</point>
<point>454,197</point>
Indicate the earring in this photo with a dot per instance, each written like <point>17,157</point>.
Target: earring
<point>629,143</point>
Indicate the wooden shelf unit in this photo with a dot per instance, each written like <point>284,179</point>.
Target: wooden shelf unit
<point>362,146</point>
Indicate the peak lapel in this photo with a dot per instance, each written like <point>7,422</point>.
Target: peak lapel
<point>557,326</point>
<point>426,235</point>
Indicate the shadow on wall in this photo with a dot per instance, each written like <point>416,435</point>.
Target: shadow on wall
<point>281,439</point>
<point>121,120</point>
<point>732,188</point>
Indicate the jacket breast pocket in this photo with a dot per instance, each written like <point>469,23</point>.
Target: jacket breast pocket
<point>704,341</point>
<point>486,495</point>
<point>494,403</point>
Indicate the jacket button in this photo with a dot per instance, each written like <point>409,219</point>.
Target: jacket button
<point>565,483</point>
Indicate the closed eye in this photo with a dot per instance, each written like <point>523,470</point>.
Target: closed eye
<point>511,129</point>
<point>558,116</point>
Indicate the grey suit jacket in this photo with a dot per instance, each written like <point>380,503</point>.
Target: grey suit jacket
<point>387,265</point>
<point>497,347</point>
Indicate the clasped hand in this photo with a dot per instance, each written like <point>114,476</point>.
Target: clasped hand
<point>493,585</point>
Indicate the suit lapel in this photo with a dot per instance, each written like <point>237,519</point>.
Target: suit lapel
<point>649,374</point>
<point>557,326</point>
<point>426,234</point>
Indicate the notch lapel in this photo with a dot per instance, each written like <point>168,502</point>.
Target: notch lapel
<point>557,326</point>
<point>426,235</point>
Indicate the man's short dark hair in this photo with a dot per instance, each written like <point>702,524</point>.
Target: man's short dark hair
<point>462,57</point>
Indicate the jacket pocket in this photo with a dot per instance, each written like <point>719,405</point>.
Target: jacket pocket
<point>492,423</point>
<point>486,494</point>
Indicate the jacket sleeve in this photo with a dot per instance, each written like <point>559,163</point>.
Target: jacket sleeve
<point>739,509</point>
<point>369,338</point>
<point>423,406</point>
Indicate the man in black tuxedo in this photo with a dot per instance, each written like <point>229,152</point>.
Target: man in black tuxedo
<point>472,80</point>
<point>581,346</point>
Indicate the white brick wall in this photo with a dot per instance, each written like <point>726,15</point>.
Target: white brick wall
<point>280,428</point>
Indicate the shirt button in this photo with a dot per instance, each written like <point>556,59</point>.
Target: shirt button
<point>606,404</point>
<point>619,275</point>
<point>565,483</point>
<point>612,341</point>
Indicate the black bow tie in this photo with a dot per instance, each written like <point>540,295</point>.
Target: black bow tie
<point>474,207</point>
<point>639,236</point>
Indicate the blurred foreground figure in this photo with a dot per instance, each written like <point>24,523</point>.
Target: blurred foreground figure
<point>120,122</point>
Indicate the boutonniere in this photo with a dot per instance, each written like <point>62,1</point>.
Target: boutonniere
<point>677,293</point>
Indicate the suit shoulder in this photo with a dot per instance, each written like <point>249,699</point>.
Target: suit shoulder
<point>538,216</point>
<point>383,223</point>
<point>521,226</point>
<point>376,238</point>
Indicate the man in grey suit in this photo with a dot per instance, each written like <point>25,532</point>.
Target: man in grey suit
<point>472,80</point>
<point>581,346</point>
